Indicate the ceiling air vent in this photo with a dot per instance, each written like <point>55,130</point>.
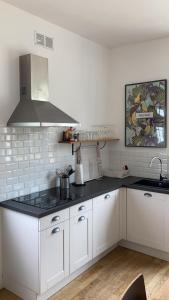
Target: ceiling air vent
<point>39,39</point>
<point>43,40</point>
<point>48,42</point>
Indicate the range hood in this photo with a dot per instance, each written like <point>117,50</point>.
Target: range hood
<point>34,108</point>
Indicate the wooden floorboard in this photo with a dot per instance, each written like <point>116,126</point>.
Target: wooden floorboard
<point>109,277</point>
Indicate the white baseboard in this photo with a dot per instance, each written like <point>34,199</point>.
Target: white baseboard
<point>19,290</point>
<point>144,249</point>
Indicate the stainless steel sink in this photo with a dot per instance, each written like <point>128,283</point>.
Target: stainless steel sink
<point>153,183</point>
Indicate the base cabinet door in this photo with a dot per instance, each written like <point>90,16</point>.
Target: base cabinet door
<point>146,218</point>
<point>106,222</point>
<point>80,240</point>
<point>54,255</point>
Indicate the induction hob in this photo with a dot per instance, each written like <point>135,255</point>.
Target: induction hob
<point>46,199</point>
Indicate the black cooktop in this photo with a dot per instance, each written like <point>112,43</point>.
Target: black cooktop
<point>46,202</point>
<point>46,199</point>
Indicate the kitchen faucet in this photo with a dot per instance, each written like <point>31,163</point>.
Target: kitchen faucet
<point>162,177</point>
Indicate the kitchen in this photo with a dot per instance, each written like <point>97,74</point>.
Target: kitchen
<point>87,81</point>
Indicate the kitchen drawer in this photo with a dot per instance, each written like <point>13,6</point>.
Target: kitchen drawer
<point>80,208</point>
<point>53,219</point>
<point>105,197</point>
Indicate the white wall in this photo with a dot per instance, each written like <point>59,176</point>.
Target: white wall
<point>79,74</point>
<point>79,77</point>
<point>86,81</point>
<point>130,64</point>
<point>78,68</point>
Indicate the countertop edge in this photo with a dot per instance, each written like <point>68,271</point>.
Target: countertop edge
<point>98,190</point>
<point>25,209</point>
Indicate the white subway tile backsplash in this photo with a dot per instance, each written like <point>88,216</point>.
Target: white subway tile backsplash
<point>12,180</point>
<point>29,158</point>
<point>2,152</point>
<point>11,166</point>
<point>23,164</point>
<point>4,159</point>
<point>4,130</point>
<point>34,150</point>
<point>138,161</point>
<point>17,172</point>
<point>17,144</point>
<point>9,188</point>
<point>36,156</point>
<point>11,195</point>
<point>20,151</point>
<point>5,145</point>
<point>18,186</point>
<point>34,189</point>
<point>11,152</point>
<point>23,192</point>
<point>2,137</point>
<point>3,197</point>
<point>18,158</point>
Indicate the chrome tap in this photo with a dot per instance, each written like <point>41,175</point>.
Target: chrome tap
<point>162,177</point>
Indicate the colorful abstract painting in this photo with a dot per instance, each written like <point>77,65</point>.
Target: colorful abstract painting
<point>146,114</point>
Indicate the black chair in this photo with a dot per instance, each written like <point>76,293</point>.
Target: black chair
<point>136,290</point>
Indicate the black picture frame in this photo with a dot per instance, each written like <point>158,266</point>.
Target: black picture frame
<point>152,92</point>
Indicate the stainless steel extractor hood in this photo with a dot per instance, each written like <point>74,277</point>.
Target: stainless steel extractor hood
<point>34,108</point>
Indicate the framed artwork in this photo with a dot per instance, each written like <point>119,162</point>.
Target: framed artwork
<point>146,114</point>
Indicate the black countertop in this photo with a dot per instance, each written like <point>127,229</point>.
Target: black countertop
<point>91,190</point>
<point>134,185</point>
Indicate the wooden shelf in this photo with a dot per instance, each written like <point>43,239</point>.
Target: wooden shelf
<point>87,142</point>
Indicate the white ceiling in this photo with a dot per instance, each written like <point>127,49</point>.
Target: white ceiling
<point>109,22</point>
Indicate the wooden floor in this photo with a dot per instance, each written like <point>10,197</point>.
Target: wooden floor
<point>108,278</point>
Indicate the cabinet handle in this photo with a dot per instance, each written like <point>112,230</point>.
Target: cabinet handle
<point>107,196</point>
<point>56,218</point>
<point>55,230</point>
<point>82,218</point>
<point>82,207</point>
<point>147,195</point>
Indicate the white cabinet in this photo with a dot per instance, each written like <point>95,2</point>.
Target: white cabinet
<point>20,240</point>
<point>148,219</point>
<point>80,240</point>
<point>54,255</point>
<point>106,222</point>
<point>40,253</point>
<point>34,260</point>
